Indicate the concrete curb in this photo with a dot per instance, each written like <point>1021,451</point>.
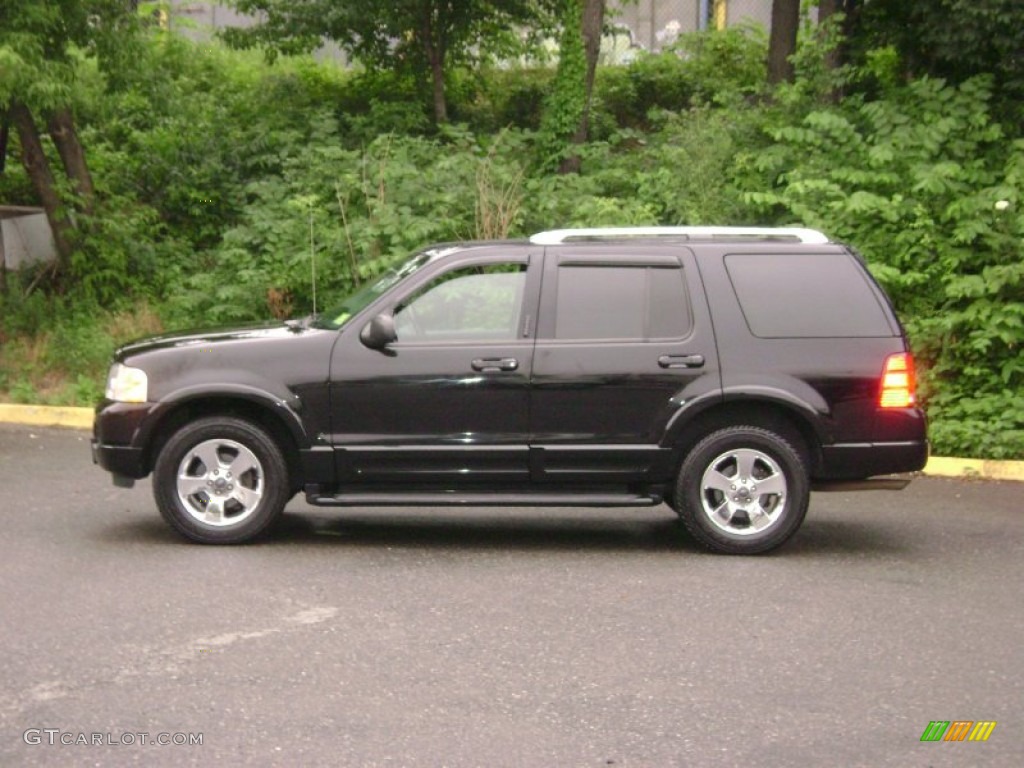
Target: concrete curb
<point>81,418</point>
<point>46,416</point>
<point>989,469</point>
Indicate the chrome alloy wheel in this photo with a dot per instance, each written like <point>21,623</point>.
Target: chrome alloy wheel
<point>220,482</point>
<point>743,491</point>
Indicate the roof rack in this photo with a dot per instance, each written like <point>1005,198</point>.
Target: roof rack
<point>558,236</point>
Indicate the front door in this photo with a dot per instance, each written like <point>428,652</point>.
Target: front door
<point>446,405</point>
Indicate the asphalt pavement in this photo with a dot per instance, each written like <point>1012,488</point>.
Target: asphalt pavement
<point>520,637</point>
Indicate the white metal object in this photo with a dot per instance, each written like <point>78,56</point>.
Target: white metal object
<point>25,237</point>
<point>559,236</point>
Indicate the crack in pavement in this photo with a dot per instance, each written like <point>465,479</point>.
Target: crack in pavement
<point>168,660</point>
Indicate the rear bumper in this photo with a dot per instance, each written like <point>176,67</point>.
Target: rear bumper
<point>859,460</point>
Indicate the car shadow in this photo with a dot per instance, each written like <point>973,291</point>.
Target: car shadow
<point>483,531</point>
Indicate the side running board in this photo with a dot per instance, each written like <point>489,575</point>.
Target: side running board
<point>482,499</point>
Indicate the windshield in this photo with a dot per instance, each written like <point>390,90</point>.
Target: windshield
<point>357,301</point>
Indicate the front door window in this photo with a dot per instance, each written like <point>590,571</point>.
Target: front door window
<point>475,303</point>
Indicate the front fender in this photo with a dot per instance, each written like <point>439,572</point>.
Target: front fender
<point>287,409</point>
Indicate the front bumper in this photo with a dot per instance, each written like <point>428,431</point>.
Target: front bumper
<point>124,462</point>
<point>115,439</point>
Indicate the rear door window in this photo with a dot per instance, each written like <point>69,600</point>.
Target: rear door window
<point>597,301</point>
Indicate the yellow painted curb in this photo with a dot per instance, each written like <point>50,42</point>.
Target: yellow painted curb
<point>989,469</point>
<point>46,416</point>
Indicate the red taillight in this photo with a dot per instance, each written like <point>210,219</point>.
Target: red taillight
<point>897,382</point>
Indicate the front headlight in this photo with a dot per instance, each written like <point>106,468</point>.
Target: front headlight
<point>127,385</point>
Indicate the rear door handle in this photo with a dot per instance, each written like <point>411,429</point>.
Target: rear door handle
<point>495,364</point>
<point>681,361</point>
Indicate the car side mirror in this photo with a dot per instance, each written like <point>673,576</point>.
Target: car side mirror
<point>379,332</point>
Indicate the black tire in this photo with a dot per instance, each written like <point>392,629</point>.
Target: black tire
<point>200,496</point>
<point>742,490</point>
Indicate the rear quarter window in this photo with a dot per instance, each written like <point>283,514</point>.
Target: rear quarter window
<point>806,295</point>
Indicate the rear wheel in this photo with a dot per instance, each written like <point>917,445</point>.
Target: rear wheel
<point>220,480</point>
<point>742,490</point>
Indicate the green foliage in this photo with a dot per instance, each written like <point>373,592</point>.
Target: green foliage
<point>567,101</point>
<point>721,67</point>
<point>378,103</point>
<point>195,121</point>
<point>952,39</point>
<point>41,41</point>
<point>914,181</point>
<point>57,351</point>
<point>652,81</point>
<point>506,97</point>
<point>686,169</point>
<point>421,39</point>
<point>367,208</point>
<point>677,174</point>
<point>211,167</point>
<point>389,35</point>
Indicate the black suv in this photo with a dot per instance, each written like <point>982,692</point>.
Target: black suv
<point>724,371</point>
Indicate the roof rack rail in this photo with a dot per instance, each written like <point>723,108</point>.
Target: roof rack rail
<point>558,236</point>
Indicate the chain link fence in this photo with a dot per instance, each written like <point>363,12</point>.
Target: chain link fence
<point>639,25</point>
<point>652,24</point>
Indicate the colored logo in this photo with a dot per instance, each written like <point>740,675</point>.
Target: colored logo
<point>958,730</point>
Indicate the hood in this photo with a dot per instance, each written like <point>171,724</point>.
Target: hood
<point>209,337</point>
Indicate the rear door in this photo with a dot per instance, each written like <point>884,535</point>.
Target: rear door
<point>624,342</point>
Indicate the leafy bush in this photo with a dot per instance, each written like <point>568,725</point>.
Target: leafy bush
<point>376,103</point>
<point>213,170</point>
<point>913,179</point>
<point>56,351</point>
<point>652,81</point>
<point>363,208</point>
<point>718,66</point>
<point>502,98</point>
<point>726,65</point>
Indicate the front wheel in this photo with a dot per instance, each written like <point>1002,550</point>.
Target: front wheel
<point>220,480</point>
<point>742,490</point>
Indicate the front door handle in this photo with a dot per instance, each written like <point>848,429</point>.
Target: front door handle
<point>681,361</point>
<point>495,364</point>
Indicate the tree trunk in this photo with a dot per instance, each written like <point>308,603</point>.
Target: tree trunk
<point>3,272</point>
<point>61,127</point>
<point>4,133</point>
<point>38,168</point>
<point>432,32</point>
<point>437,75</point>
<point>849,9</point>
<point>782,42</point>
<point>827,9</point>
<point>592,24</point>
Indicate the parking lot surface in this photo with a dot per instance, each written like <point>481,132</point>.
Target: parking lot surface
<point>520,637</point>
